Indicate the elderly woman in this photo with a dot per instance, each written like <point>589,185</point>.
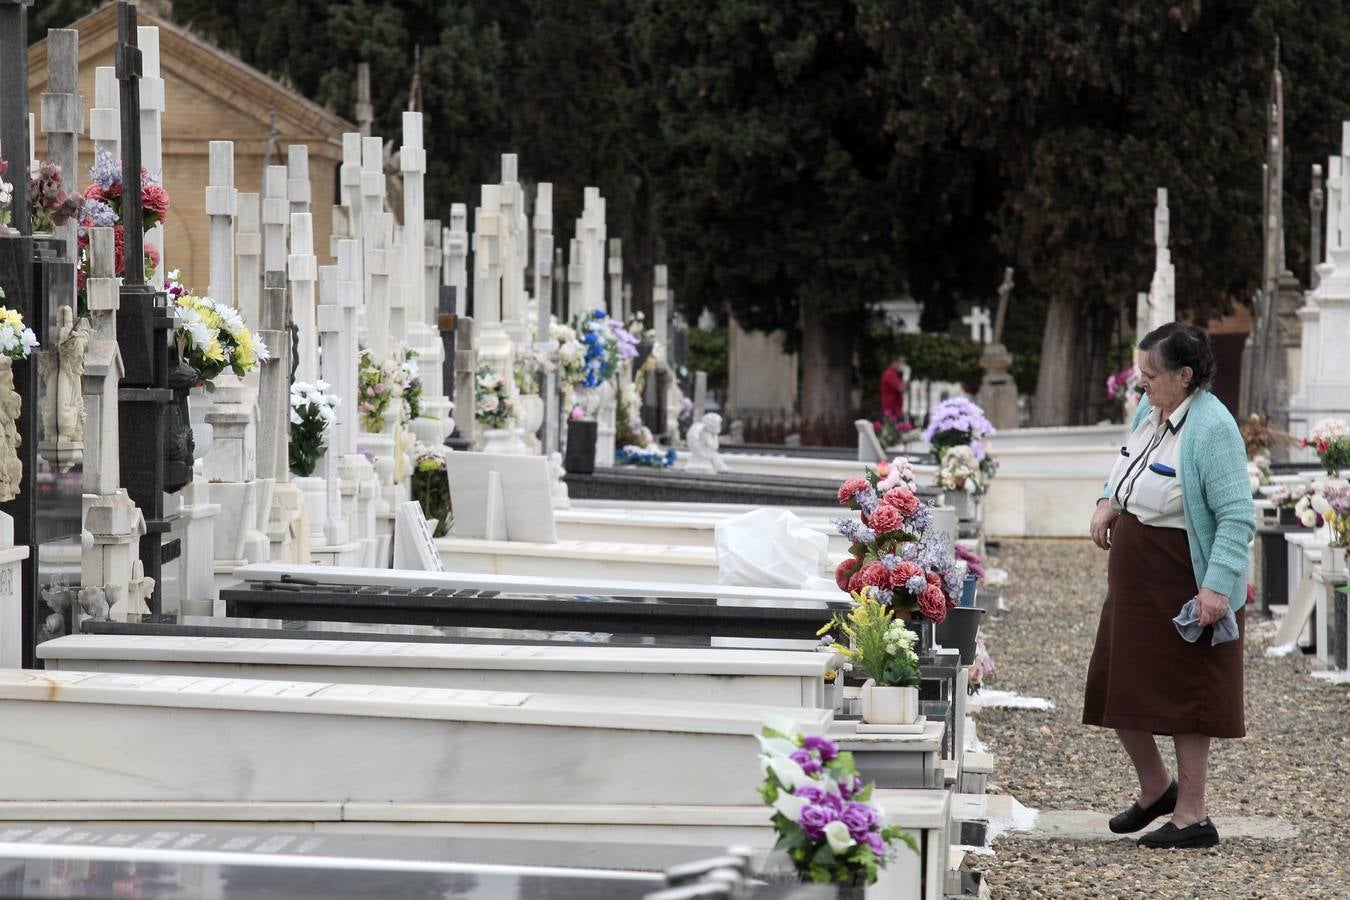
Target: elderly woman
<point>1177,517</point>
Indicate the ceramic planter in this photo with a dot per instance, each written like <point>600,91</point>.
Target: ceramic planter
<point>889,705</point>
<point>1333,560</point>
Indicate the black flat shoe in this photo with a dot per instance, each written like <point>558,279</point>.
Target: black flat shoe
<point>1136,817</point>
<point>1201,834</point>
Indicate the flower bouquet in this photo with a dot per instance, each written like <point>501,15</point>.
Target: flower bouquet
<point>893,555</point>
<point>883,648</point>
<point>49,204</point>
<point>1327,504</point>
<point>1122,393</point>
<point>313,411</point>
<point>411,378</point>
<point>211,336</point>
<point>103,208</point>
<point>651,457</point>
<point>957,421</point>
<point>378,383</point>
<point>596,332</point>
<point>492,403</point>
<point>960,471</point>
<point>17,341</point>
<point>571,354</point>
<point>431,487</point>
<point>980,670</point>
<point>1330,438</point>
<point>822,811</point>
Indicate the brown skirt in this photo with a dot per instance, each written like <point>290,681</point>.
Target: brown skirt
<point>1143,676</point>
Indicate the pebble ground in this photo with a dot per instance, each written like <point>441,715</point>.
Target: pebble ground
<point>1294,763</point>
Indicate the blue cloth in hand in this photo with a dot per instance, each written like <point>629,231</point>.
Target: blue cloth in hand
<point>1189,627</point>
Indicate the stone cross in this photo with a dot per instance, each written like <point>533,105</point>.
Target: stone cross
<point>298,189</point>
<point>349,187</point>
<point>455,272</point>
<point>413,165</point>
<point>105,119</point>
<point>591,232</point>
<point>1334,184</point>
<point>661,310</point>
<point>487,307</point>
<point>431,271</point>
<point>63,117</point>
<point>512,246</point>
<point>576,279</point>
<point>1162,292</point>
<point>274,330</point>
<point>302,272</point>
<point>1316,206</point>
<point>222,203</point>
<point>978,320</point>
<point>248,253</point>
<point>615,269</point>
<point>399,289</point>
<point>1005,290</point>
<point>700,394</point>
<point>276,215</point>
<point>466,374</point>
<point>101,467</point>
<point>559,285</point>
<point>152,117</point>
<point>365,112</point>
<point>543,259</point>
<point>379,306</point>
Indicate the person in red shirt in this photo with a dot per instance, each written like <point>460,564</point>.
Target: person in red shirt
<point>893,390</point>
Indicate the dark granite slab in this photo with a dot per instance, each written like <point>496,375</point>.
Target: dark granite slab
<point>491,609</point>
<point>622,483</point>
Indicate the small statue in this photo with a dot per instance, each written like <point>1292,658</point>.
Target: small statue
<point>92,604</point>
<point>557,487</point>
<point>61,408</point>
<point>179,448</point>
<point>703,445</point>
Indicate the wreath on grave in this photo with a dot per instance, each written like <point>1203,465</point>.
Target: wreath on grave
<point>211,336</point>
<point>313,411</point>
<point>492,403</point>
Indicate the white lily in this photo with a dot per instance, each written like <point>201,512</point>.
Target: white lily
<point>837,834</point>
<point>790,805</point>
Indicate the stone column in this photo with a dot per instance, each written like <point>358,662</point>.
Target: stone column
<point>616,297</point>
<point>302,272</point>
<point>248,252</point>
<point>576,293</point>
<point>456,271</point>
<point>63,118</point>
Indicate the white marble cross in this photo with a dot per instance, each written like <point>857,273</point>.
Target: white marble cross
<point>660,309</point>
<point>248,254</point>
<point>615,269</point>
<point>413,165</point>
<point>302,271</point>
<point>543,255</point>
<point>298,189</point>
<point>152,119</point>
<point>222,202</point>
<point>980,324</point>
<point>456,265</point>
<point>105,119</point>
<point>576,278</point>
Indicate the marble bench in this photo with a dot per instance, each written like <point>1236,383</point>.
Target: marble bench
<point>758,677</point>
<point>109,738</point>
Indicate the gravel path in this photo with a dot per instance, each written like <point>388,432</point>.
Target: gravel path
<point>1290,766</point>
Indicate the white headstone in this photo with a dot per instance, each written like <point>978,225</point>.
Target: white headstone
<point>222,202</point>
<point>152,117</point>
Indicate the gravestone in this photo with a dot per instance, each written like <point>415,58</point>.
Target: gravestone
<point>615,270</point>
<point>576,300</point>
<point>63,117</point>
<point>998,391</point>
<point>105,119</point>
<point>152,117</point>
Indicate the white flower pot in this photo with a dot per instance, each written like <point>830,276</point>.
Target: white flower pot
<point>1333,560</point>
<point>889,705</point>
<point>500,440</point>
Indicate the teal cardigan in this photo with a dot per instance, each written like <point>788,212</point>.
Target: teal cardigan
<point>1216,496</point>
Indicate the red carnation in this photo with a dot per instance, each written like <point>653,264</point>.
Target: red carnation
<point>874,574</point>
<point>904,501</point>
<point>849,488</point>
<point>95,192</point>
<point>155,200</point>
<point>934,578</point>
<point>845,570</point>
<point>855,582</point>
<point>903,573</point>
<point>885,519</point>
<point>152,254</point>
<point>933,604</point>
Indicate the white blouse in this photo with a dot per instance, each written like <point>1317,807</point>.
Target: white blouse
<point>1146,479</point>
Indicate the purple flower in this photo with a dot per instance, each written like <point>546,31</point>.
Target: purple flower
<point>915,584</point>
<point>859,817</point>
<point>99,213</point>
<point>876,843</point>
<point>106,170</point>
<point>958,414</point>
<point>814,819</point>
<point>810,793</point>
<point>855,531</point>
<point>804,758</point>
<point>833,802</point>
<point>867,500</point>
<point>881,595</point>
<point>827,748</point>
<point>850,786</point>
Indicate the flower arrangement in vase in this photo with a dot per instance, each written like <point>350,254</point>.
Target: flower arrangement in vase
<point>957,421</point>
<point>431,487</point>
<point>103,208</point>
<point>893,554</point>
<point>211,336</point>
<point>960,471</point>
<point>313,411</point>
<point>822,812</point>
<point>571,354</point>
<point>492,403</point>
<point>1329,505</point>
<point>412,384</point>
<point>1330,438</point>
<point>1122,393</point>
<point>17,341</point>
<point>883,648</point>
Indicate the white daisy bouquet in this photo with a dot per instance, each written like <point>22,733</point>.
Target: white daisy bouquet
<point>313,412</point>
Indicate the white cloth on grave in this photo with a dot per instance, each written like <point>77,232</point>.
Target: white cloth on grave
<point>771,548</point>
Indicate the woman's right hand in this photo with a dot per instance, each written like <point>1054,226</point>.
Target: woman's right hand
<point>1102,519</point>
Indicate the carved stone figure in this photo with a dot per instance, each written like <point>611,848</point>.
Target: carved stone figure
<point>179,448</point>
<point>61,408</point>
<point>703,445</point>
<point>11,467</point>
<point>558,487</point>
<point>93,604</point>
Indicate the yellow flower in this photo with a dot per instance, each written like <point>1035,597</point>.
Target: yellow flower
<point>214,353</point>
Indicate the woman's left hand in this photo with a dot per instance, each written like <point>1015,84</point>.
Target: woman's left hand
<point>1212,606</point>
